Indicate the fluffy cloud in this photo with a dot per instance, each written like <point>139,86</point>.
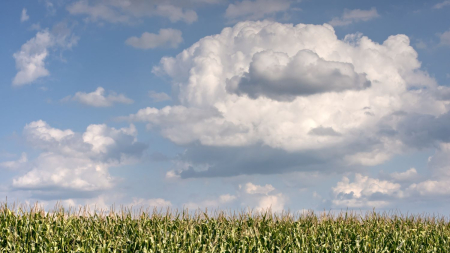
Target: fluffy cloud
<point>97,98</point>
<point>360,192</point>
<point>398,187</point>
<point>158,96</point>
<point>130,10</point>
<point>74,165</point>
<point>165,38</point>
<point>354,16</point>
<point>257,189</point>
<point>345,122</point>
<point>30,60</point>
<point>24,17</point>
<point>258,197</point>
<point>256,9</point>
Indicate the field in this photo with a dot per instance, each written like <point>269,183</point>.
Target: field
<point>80,230</point>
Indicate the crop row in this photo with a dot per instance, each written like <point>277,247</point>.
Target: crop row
<point>70,230</point>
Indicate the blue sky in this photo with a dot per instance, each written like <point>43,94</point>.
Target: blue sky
<point>226,104</point>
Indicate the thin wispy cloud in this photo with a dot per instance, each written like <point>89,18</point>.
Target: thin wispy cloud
<point>354,16</point>
<point>131,11</point>
<point>98,98</point>
<point>24,17</point>
<point>256,9</point>
<point>445,38</point>
<point>165,38</point>
<point>159,96</point>
<point>441,5</point>
<point>15,164</point>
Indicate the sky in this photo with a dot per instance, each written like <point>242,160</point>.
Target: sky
<point>289,105</point>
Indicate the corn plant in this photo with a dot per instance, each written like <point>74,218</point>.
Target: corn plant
<point>32,229</point>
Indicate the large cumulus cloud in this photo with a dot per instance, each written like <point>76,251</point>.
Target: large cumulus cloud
<point>300,90</point>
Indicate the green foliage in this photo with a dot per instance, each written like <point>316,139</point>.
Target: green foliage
<point>171,231</point>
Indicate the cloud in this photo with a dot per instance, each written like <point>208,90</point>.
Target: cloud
<point>354,16</point>
<point>158,96</point>
<point>15,164</point>
<point>441,5</point>
<point>257,189</point>
<point>150,203</point>
<point>359,193</point>
<point>280,77</point>
<point>258,197</point>
<point>343,124</point>
<point>367,192</point>
<point>397,188</point>
<point>324,131</point>
<point>74,165</point>
<point>408,175</point>
<point>275,203</point>
<point>166,38</point>
<point>30,60</point>
<point>97,98</point>
<point>211,203</point>
<point>24,17</point>
<point>131,11</point>
<point>251,10</point>
<point>252,196</point>
<point>445,38</point>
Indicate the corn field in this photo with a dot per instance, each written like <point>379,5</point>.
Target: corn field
<point>32,229</point>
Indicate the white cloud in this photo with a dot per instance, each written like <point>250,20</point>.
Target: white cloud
<point>275,203</point>
<point>349,127</point>
<point>97,98</point>
<point>359,192</point>
<point>211,203</point>
<point>441,5</point>
<point>131,10</point>
<point>158,96</point>
<point>250,196</point>
<point>40,131</point>
<point>397,188</point>
<point>354,16</point>
<point>431,188</point>
<point>24,17</point>
<point>15,164</point>
<point>445,38</point>
<point>404,176</point>
<point>150,203</point>
<point>258,197</point>
<point>30,60</point>
<point>62,173</point>
<point>165,38</point>
<point>257,189</point>
<point>255,9</point>
<point>73,164</point>
<point>226,198</point>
